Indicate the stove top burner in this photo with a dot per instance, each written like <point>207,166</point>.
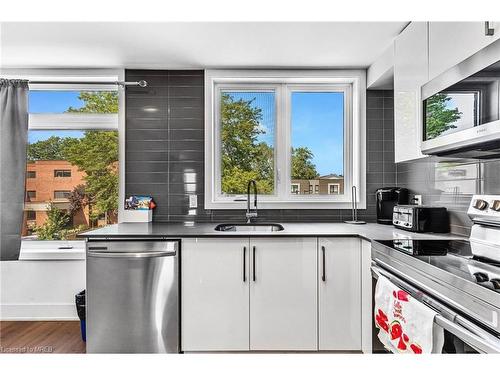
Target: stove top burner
<point>455,256</point>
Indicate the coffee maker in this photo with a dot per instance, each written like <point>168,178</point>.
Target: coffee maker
<point>387,198</point>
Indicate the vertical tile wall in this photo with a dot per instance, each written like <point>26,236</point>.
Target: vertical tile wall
<point>165,150</point>
<point>164,141</point>
<point>380,166</point>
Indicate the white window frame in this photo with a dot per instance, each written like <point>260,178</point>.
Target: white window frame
<point>219,88</point>
<point>74,249</point>
<point>353,84</point>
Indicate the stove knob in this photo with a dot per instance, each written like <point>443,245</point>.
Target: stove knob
<point>481,277</point>
<point>495,205</point>
<point>480,204</point>
<point>496,283</point>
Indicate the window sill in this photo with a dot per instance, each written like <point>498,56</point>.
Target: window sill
<point>292,205</point>
<point>52,250</point>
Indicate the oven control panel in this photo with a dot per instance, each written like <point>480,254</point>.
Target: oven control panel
<point>485,208</point>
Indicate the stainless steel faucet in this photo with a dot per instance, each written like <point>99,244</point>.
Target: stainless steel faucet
<point>251,214</point>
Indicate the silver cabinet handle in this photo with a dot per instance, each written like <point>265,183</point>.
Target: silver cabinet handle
<point>140,254</point>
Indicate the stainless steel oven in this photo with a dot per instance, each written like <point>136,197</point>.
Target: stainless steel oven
<point>459,278</point>
<point>461,335</point>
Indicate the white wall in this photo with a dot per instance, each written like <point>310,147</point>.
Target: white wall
<point>40,289</point>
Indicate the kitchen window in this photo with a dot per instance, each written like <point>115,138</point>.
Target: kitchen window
<point>298,134</point>
<point>72,162</point>
<point>62,173</point>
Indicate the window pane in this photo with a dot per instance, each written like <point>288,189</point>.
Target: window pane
<point>62,173</point>
<point>317,120</point>
<point>73,101</point>
<point>31,215</point>
<point>72,182</point>
<point>62,194</point>
<point>248,122</point>
<point>451,112</point>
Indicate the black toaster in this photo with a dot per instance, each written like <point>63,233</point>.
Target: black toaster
<point>421,218</point>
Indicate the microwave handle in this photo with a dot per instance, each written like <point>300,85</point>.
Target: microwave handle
<point>469,333</point>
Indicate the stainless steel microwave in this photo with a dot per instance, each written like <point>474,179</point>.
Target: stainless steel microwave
<point>462,108</point>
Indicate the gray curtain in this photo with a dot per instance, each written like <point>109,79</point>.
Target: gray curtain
<point>13,142</point>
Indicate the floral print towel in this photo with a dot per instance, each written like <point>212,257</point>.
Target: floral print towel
<point>405,324</point>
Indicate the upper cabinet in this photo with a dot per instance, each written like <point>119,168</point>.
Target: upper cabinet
<point>423,51</point>
<point>452,42</point>
<point>410,73</point>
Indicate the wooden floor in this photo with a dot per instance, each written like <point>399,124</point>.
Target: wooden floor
<point>41,337</point>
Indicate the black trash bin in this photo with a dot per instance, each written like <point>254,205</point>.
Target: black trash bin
<point>80,309</point>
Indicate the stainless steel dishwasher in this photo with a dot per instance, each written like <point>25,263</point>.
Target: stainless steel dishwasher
<point>133,295</point>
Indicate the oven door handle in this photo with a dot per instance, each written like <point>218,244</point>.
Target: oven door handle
<point>482,344</point>
<point>472,335</point>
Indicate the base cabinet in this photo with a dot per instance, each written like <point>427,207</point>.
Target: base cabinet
<point>214,294</point>
<point>271,294</point>
<point>283,295</point>
<point>339,269</point>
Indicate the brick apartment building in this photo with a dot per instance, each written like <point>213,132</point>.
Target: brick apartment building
<point>50,181</point>
<point>328,184</point>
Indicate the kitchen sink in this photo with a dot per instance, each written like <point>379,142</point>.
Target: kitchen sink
<point>250,227</point>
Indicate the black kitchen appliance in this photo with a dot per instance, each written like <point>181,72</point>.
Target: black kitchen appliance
<point>421,218</point>
<point>387,198</point>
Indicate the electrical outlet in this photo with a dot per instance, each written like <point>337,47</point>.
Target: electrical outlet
<point>193,201</point>
<point>417,199</point>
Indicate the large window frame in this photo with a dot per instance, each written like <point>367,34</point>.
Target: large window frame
<point>74,249</point>
<point>352,83</point>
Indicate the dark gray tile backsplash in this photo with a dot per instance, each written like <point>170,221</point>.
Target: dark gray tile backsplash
<point>450,183</point>
<point>165,150</point>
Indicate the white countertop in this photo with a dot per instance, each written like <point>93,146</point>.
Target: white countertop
<point>368,231</point>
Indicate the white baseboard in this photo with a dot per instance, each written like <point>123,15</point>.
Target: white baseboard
<point>34,311</point>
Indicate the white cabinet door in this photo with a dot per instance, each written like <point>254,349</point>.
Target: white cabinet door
<point>283,295</point>
<point>366,296</point>
<point>410,73</point>
<point>339,270</point>
<point>215,294</point>
<point>452,42</point>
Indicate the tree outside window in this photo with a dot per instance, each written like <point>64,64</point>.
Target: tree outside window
<point>88,161</point>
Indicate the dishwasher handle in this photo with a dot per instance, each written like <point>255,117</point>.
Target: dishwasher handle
<point>125,254</point>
